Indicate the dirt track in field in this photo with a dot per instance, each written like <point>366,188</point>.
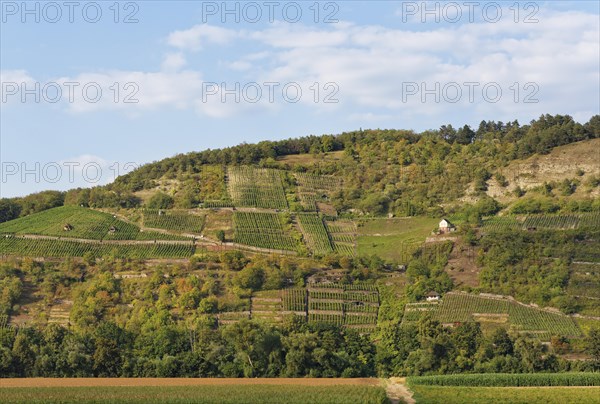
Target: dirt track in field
<point>109,382</point>
<point>398,392</point>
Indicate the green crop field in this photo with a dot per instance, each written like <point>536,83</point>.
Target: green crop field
<point>263,230</point>
<point>256,187</point>
<point>173,220</point>
<point>315,233</point>
<point>199,394</point>
<point>506,395</point>
<point>65,248</point>
<point>507,388</point>
<point>393,239</point>
<point>509,379</point>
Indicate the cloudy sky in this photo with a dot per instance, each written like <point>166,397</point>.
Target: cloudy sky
<point>90,89</point>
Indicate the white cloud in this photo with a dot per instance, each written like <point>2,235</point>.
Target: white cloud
<point>198,36</point>
<point>290,36</point>
<point>136,90</point>
<point>372,65</point>
<point>173,62</point>
<point>249,61</point>
<point>12,82</point>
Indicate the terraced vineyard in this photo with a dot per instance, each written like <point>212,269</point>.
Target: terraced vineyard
<point>414,311</point>
<point>584,280</point>
<point>218,204</point>
<point>343,235</point>
<point>294,299</point>
<point>66,248</point>
<point>173,220</point>
<point>590,220</point>
<point>326,318</point>
<point>121,230</point>
<point>267,305</point>
<point>354,306</point>
<point>502,223</point>
<point>315,233</point>
<point>315,188</point>
<point>67,222</point>
<point>325,306</point>
<point>462,307</point>
<point>559,222</point>
<point>256,187</point>
<point>326,294</point>
<point>541,323</point>
<point>73,222</point>
<point>263,230</point>
<point>228,317</point>
<point>145,235</point>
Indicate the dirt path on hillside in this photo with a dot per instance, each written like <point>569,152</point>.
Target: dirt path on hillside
<point>397,391</point>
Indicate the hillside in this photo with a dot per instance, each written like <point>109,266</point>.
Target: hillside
<point>318,256</point>
<point>573,162</point>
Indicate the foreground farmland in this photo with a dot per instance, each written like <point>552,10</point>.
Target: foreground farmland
<point>506,395</point>
<point>507,388</point>
<point>192,391</point>
<point>574,388</point>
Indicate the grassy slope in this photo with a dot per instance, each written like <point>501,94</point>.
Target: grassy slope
<point>386,237</point>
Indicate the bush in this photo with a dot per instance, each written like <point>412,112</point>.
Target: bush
<point>534,205</point>
<point>160,200</point>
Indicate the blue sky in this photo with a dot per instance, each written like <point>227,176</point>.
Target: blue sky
<point>408,65</point>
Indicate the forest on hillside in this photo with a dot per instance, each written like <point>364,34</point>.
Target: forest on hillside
<point>383,171</point>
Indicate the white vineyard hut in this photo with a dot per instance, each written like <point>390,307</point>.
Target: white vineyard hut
<point>446,227</point>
